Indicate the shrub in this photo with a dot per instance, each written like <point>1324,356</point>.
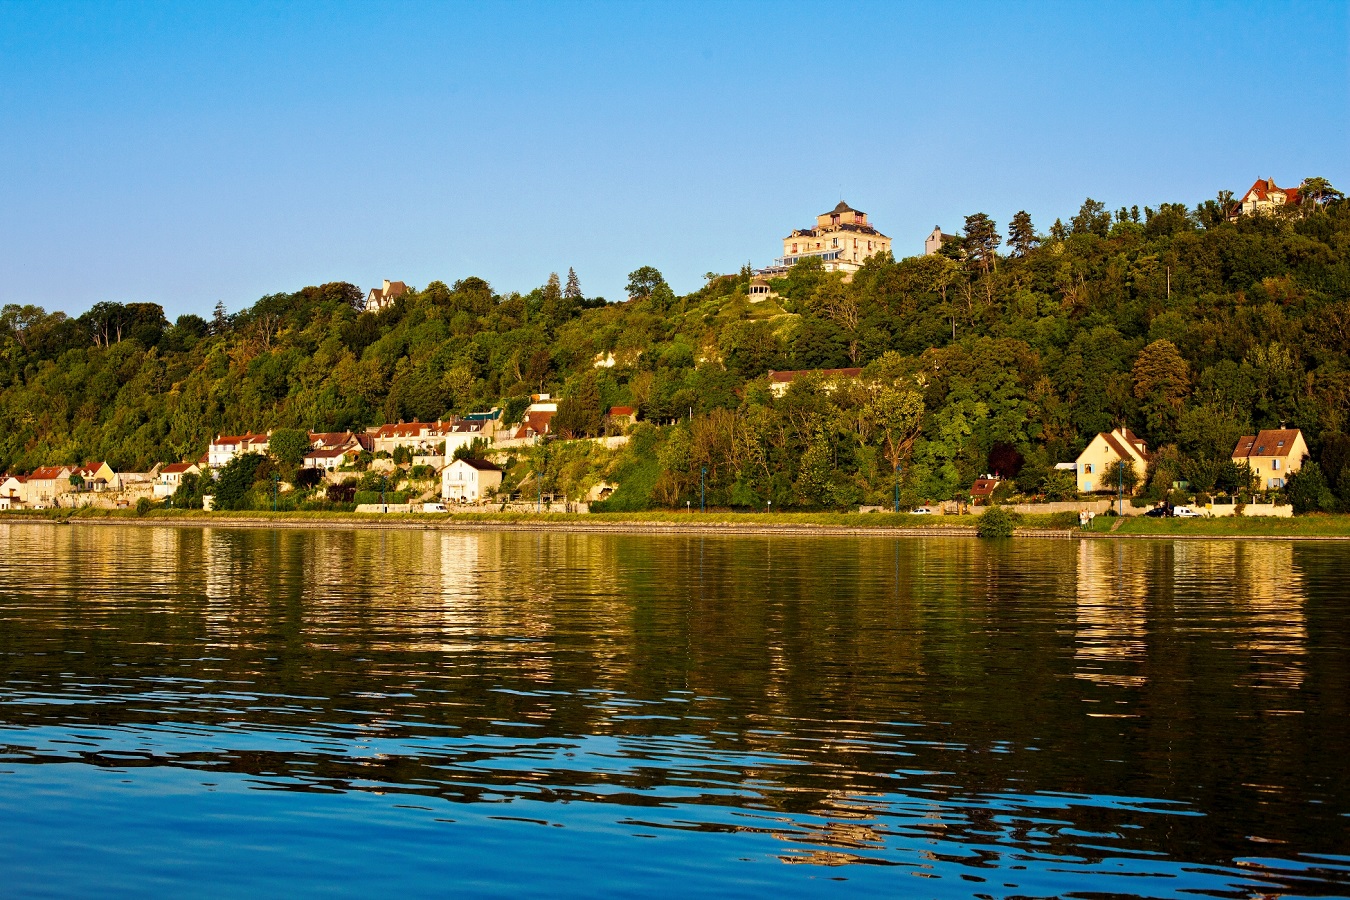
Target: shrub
<point>144,505</point>
<point>996,523</point>
<point>308,478</point>
<point>374,497</point>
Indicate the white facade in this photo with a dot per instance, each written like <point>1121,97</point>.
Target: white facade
<point>469,480</point>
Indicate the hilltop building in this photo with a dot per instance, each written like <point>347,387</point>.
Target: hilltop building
<point>384,297</point>
<point>933,243</point>
<point>842,239</point>
<point>1264,197</point>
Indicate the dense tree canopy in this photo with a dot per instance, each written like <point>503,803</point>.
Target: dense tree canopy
<point>1177,323</point>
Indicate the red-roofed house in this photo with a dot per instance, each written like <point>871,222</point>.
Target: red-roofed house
<point>779,381</point>
<point>227,446</point>
<point>1273,455</point>
<point>46,484</point>
<point>13,491</point>
<point>330,458</point>
<point>1265,197</point>
<point>98,477</point>
<point>622,416</point>
<point>1105,449</point>
<point>982,491</point>
<point>535,424</point>
<point>415,436</point>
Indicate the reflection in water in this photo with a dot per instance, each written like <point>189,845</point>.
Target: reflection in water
<point>1113,594</point>
<point>1040,717</point>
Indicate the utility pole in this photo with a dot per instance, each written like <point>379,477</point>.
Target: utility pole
<point>702,490</point>
<point>1120,488</point>
<point>897,486</point>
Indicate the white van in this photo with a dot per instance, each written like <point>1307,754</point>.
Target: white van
<point>433,507</point>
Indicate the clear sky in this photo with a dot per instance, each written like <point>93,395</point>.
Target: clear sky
<point>189,153</point>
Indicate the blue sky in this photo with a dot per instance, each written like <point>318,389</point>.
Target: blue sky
<point>184,154</point>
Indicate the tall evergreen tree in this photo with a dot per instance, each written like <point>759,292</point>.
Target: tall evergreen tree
<point>982,240</point>
<point>1021,234</point>
<point>573,289</point>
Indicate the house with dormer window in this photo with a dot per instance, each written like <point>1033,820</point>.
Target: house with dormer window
<point>1273,455</point>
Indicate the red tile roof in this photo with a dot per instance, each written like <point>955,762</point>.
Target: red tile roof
<point>535,423</point>
<point>47,473</point>
<point>175,468</point>
<point>1265,187</point>
<point>621,410</point>
<point>984,487</point>
<point>239,439</point>
<point>1270,442</point>
<point>405,429</point>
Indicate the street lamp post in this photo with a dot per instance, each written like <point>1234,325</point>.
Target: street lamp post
<point>899,468</point>
<point>702,490</point>
<point>275,479</point>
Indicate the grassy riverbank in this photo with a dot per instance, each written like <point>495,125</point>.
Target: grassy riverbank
<point>1058,523</point>
<point>1237,526</point>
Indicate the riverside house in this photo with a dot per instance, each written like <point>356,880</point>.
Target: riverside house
<point>47,484</point>
<point>13,491</point>
<point>469,480</point>
<point>171,476</point>
<point>1106,448</point>
<point>1273,455</point>
<point>98,477</point>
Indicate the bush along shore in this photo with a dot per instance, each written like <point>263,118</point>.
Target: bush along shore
<point>993,523</point>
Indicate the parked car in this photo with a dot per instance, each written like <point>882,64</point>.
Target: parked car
<point>1157,512</point>
<point>920,511</point>
<point>1187,512</point>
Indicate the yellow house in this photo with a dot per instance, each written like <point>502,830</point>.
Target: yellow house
<point>1106,448</point>
<point>842,239</point>
<point>1273,455</point>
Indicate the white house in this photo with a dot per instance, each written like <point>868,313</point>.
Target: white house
<point>171,476</point>
<point>330,458</point>
<point>469,479</point>
<point>227,446</point>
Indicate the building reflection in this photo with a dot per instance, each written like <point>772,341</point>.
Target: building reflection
<point>1110,638</point>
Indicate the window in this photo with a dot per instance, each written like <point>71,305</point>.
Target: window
<point>1274,465</point>
<point>1087,468</point>
<point>836,242</point>
<point>794,248</point>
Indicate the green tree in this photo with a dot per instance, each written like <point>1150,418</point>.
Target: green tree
<point>643,282</point>
<point>982,240</point>
<point>1319,191</point>
<point>1119,475</point>
<point>1021,234</point>
<point>1161,383</point>
<point>1308,490</point>
<point>236,478</point>
<point>288,447</point>
<point>1092,218</point>
<point>573,289</point>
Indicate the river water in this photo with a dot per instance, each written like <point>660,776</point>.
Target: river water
<point>221,712</point>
